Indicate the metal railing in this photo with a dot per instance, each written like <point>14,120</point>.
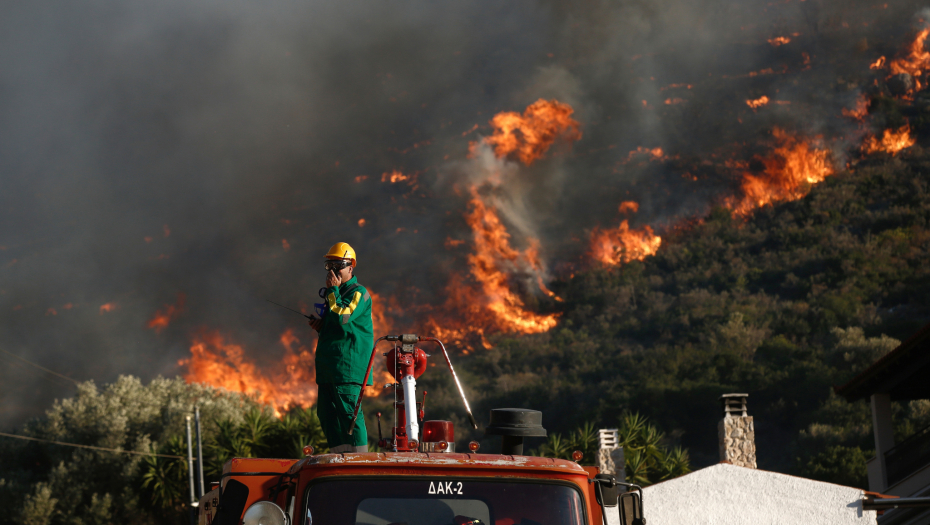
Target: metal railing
<point>908,456</point>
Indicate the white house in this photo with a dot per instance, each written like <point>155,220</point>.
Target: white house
<point>735,492</point>
<point>725,494</point>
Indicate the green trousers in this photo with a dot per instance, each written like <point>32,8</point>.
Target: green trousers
<point>335,405</point>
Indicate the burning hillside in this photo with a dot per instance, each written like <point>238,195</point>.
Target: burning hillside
<point>490,298</point>
<point>788,172</point>
<point>475,172</point>
<point>217,362</point>
<point>906,71</point>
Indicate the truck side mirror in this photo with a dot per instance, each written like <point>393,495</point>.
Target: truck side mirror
<point>606,491</point>
<point>631,509</point>
<point>232,502</point>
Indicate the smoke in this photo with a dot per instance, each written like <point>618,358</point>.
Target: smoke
<point>151,149</point>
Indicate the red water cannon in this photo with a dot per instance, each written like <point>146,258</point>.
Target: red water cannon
<point>406,362</point>
<point>401,364</point>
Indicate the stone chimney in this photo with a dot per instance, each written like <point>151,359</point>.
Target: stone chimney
<point>610,458</point>
<point>736,432</point>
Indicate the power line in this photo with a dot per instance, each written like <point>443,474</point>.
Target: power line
<point>20,366</point>
<point>92,447</point>
<point>40,367</point>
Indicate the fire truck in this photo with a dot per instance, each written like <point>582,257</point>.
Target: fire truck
<point>419,478</point>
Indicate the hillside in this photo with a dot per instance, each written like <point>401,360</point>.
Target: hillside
<point>782,305</point>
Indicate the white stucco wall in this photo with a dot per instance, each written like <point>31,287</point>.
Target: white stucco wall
<point>729,495</point>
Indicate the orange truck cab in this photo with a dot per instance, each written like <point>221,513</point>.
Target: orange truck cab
<point>427,485</point>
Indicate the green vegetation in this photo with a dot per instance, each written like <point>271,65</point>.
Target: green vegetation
<point>785,305</point>
<point>50,484</point>
<point>648,460</point>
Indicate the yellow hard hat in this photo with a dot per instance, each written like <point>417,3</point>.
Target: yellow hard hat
<point>341,250</point>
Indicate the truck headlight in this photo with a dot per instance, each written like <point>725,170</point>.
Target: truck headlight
<point>264,513</point>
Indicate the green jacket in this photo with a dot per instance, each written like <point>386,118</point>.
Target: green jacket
<point>347,336</point>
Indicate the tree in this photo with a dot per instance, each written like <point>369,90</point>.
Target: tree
<point>57,485</point>
<point>648,460</point>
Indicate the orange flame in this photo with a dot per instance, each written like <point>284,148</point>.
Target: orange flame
<point>758,103</point>
<point>779,41</point>
<point>529,136</point>
<point>222,364</point>
<point>379,318</point>
<point>654,153</point>
<point>789,171</point>
<point>860,111</point>
<point>486,303</point>
<point>892,141</point>
<point>492,252</point>
<point>914,60</point>
<point>766,71</point>
<point>394,176</point>
<point>622,245</point>
<point>532,257</point>
<point>163,317</point>
<point>629,207</point>
<point>380,379</point>
<point>107,307</point>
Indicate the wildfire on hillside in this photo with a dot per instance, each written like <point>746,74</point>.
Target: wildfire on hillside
<point>504,267</point>
<point>622,244</point>
<point>289,383</point>
<point>219,363</point>
<point>795,164</point>
<point>489,301</point>
<point>892,141</point>
<point>911,62</point>
<point>492,252</point>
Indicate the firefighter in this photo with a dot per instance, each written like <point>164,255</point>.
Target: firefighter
<point>343,350</point>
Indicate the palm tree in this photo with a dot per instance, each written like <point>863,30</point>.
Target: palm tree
<point>554,447</point>
<point>165,477</point>
<point>647,458</point>
<point>677,463</point>
<point>584,438</point>
<point>637,467</point>
<point>258,426</point>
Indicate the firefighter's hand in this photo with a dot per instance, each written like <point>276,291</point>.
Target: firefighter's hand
<point>315,323</point>
<point>332,279</point>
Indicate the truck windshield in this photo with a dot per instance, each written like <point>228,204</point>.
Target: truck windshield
<point>440,501</point>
